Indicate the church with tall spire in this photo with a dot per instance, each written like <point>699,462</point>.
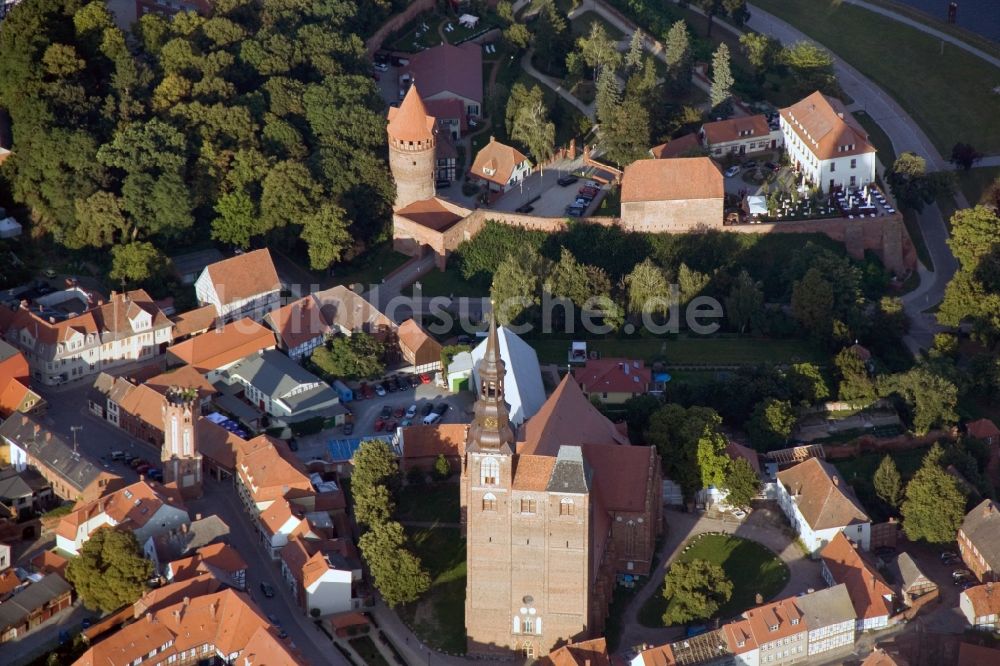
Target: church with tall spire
<point>551,513</point>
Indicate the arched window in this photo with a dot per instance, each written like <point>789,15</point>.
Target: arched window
<point>489,471</point>
<point>566,507</point>
<point>489,502</point>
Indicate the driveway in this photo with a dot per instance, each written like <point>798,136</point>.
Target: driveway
<point>762,526</point>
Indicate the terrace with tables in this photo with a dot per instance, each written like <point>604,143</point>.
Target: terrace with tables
<point>855,202</point>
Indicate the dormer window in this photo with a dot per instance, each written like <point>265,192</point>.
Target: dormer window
<point>795,620</point>
<point>740,644</point>
<point>772,627</point>
<point>488,171</point>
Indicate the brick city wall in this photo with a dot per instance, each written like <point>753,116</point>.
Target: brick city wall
<point>672,216</point>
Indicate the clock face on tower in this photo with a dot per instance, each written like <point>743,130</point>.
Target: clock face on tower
<point>490,422</point>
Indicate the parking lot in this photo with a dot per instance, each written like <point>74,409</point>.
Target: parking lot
<point>546,197</point>
<point>366,412</point>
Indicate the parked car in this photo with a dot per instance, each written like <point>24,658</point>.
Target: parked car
<point>379,424</point>
<point>526,208</point>
<point>273,619</point>
<point>348,428</point>
<point>282,634</point>
<point>431,419</point>
<point>442,184</point>
<point>293,445</point>
<point>135,462</point>
<point>411,411</point>
<point>949,557</point>
<point>380,389</point>
<point>406,423</point>
<point>426,378</point>
<point>568,179</point>
<point>442,408</point>
<point>268,591</point>
<point>588,191</point>
<point>397,413</point>
<point>732,171</point>
<point>750,164</point>
<point>386,411</point>
<point>142,469</point>
<point>574,211</point>
<point>960,574</point>
<point>414,381</point>
<point>155,474</point>
<point>117,455</point>
<point>382,67</point>
<point>772,166</point>
<point>390,385</point>
<point>390,425</point>
<point>427,409</point>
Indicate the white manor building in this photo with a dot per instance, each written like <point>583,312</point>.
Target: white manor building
<point>826,144</point>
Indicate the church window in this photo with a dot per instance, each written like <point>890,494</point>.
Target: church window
<point>517,624</point>
<point>566,507</point>
<point>528,624</point>
<point>527,505</point>
<point>489,471</point>
<point>489,502</point>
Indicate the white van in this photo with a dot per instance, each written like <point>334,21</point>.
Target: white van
<point>432,418</point>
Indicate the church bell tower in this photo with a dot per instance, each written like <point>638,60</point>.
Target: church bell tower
<point>180,456</point>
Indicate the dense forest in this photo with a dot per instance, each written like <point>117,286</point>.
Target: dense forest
<point>259,124</point>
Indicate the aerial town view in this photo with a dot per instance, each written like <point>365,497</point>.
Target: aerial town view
<point>499,332</point>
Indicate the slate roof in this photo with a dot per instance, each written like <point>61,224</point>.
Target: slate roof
<point>48,449</point>
<point>281,378</point>
<point>33,597</point>
<point>982,527</point>
<point>178,543</point>
<point>570,474</point>
<point>827,607</point>
<point>823,497</point>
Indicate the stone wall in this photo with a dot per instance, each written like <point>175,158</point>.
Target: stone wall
<point>672,216</point>
<point>396,22</point>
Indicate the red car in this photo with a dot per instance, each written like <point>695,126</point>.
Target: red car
<point>425,378</point>
<point>379,425</point>
<point>390,425</point>
<point>398,412</point>
<point>142,469</point>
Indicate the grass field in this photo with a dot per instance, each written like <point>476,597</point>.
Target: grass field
<point>439,618</point>
<point>450,282</point>
<point>702,351</point>
<point>371,267</point>
<point>973,39</point>
<point>751,567</point>
<point>975,181</point>
<point>879,139</point>
<point>859,472</point>
<point>366,649</point>
<point>428,503</point>
<point>949,95</point>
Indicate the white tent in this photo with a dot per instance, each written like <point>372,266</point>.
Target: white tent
<point>9,228</point>
<point>523,388</point>
<point>757,205</point>
<point>468,21</point>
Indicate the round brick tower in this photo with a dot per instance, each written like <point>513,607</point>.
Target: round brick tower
<point>412,143</point>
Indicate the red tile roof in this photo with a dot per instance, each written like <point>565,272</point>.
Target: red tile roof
<point>672,180</point>
<point>982,429</point>
<point>298,322</point>
<point>446,439</point>
<point>774,621</point>
<point>985,599</point>
<point>676,147</point>
<point>194,321</point>
<point>879,657</point>
<point>613,375</point>
<point>824,126</point>
<point>823,497</point>
<point>977,655</point>
<point>533,472</point>
<point>623,474</point>
<point>244,276</point>
<point>223,346</point>
<point>734,129</point>
<point>496,162</point>
<point>268,474</point>
<point>660,655</point>
<point>739,636</point>
<point>184,377</point>
<point>449,69</point>
<point>215,556</point>
<point>411,122</point>
<point>567,417</point>
<point>585,653</point>
<point>135,504</point>
<point>865,585</point>
<point>412,336</point>
<point>432,213</point>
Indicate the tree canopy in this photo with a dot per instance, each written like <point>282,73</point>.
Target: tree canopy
<point>695,590</point>
<point>691,446</point>
<point>934,506</point>
<point>397,572</point>
<point>357,356</point>
<point>110,571</point>
<point>259,124</point>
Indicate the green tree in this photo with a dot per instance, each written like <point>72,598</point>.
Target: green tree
<point>326,235</point>
<point>569,279</point>
<point>552,35</point>
<point>626,136</point>
<point>358,356</point>
<point>677,52</point>
<point>930,399</point>
<point>690,283</point>
<point>110,571</point>
<point>531,125</point>
<point>442,469</point>
<point>742,484</point>
<point>912,186</point>
<point>607,96</point>
<point>517,283</point>
<point>517,35</point>
<point>964,155</point>
<point>975,232</point>
<point>745,302</point>
<point>722,76</point>
<point>761,52</point>
<point>807,384</point>
<point>694,590</point>
<point>888,483</point>
<point>398,573</point>
<point>374,465</point>
<point>373,505</point>
<point>135,262</point>
<point>813,303</point>
<point>856,384</point>
<point>599,51</point>
<point>633,57</point>
<point>934,506</point>
<point>811,67</point>
<point>771,424</point>
<point>691,446</point>
<point>648,288</point>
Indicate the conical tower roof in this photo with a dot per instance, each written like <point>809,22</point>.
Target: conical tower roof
<point>411,122</point>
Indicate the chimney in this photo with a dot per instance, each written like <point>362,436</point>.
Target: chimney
<point>492,138</point>
<point>988,509</point>
<point>184,528</point>
<point>836,480</point>
<point>197,516</point>
<point>36,429</point>
<point>840,114</point>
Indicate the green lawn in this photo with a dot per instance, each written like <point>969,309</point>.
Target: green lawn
<point>750,566</point>
<point>949,95</point>
<point>975,181</point>
<point>371,267</point>
<point>859,472</point>
<point>439,618</point>
<point>366,649</point>
<point>450,282</point>
<point>410,42</point>
<point>428,503</point>
<point>611,205</point>
<point>879,139</point>
<point>581,25</point>
<point>982,43</point>
<point>682,350</point>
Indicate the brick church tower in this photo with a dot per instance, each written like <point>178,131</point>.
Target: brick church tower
<point>179,455</point>
<point>412,145</point>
